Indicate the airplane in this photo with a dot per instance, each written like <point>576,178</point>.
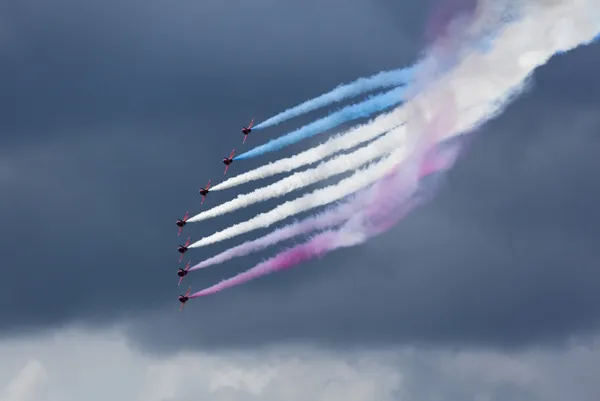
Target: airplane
<point>204,191</point>
<point>247,130</point>
<point>183,272</point>
<point>182,222</point>
<point>183,248</point>
<point>184,298</point>
<point>228,160</point>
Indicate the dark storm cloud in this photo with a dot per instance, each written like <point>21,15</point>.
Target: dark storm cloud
<point>114,113</point>
<point>123,110</point>
<point>89,61</point>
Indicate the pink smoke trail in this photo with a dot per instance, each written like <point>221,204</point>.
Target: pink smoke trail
<point>442,16</point>
<point>331,218</point>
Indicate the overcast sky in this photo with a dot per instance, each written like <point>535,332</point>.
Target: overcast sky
<point>114,113</point>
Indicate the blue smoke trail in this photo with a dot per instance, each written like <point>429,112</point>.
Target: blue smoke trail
<point>353,112</point>
<point>384,79</point>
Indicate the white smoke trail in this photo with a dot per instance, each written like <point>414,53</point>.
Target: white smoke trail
<point>338,165</point>
<point>343,141</point>
<point>320,197</point>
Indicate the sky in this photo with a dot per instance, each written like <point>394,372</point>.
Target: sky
<point>114,113</point>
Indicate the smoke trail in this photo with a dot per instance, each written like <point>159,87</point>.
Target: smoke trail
<point>384,79</point>
<point>347,236</point>
<point>320,197</point>
<point>344,141</point>
<point>444,16</point>
<point>318,246</point>
<point>375,217</point>
<point>338,165</point>
<point>331,217</point>
<point>353,112</point>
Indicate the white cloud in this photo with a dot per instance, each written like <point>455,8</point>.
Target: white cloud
<point>71,365</point>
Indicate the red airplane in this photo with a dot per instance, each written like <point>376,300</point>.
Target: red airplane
<point>183,272</point>
<point>183,248</point>
<point>247,130</point>
<point>228,160</point>
<point>181,222</point>
<point>204,192</point>
<point>184,298</point>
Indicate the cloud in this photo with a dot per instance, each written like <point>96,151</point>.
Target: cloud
<point>78,361</point>
<point>24,386</point>
<point>133,59</point>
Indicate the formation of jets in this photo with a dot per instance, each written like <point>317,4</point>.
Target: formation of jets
<point>182,249</point>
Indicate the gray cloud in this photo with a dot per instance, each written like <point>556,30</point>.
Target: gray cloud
<point>47,365</point>
<point>154,60</point>
<point>117,121</point>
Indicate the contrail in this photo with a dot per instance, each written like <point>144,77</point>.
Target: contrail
<point>343,141</point>
<point>320,197</point>
<point>371,106</point>
<point>384,79</point>
<point>339,165</point>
